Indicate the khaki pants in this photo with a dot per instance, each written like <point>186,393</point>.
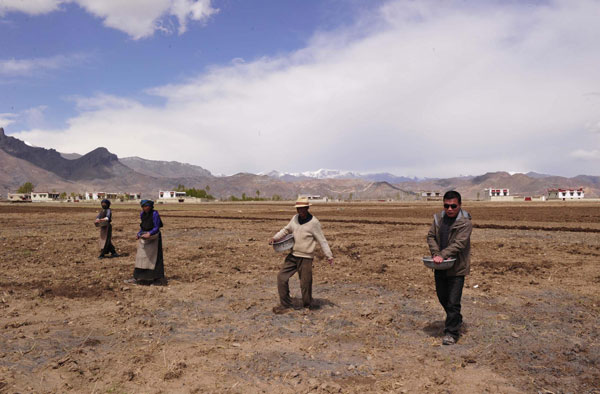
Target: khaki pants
<point>291,265</point>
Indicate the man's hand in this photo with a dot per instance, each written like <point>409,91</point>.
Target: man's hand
<point>97,221</point>
<point>272,241</point>
<point>330,260</point>
<point>438,259</point>
<point>146,235</point>
<point>137,236</point>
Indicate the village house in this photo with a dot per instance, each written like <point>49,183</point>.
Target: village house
<point>316,198</point>
<point>565,194</point>
<point>497,194</point>
<point>44,196</point>
<point>94,196</point>
<point>431,196</point>
<point>171,196</point>
<point>132,196</point>
<point>19,197</point>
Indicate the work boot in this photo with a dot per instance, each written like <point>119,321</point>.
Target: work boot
<point>114,255</point>
<point>280,310</point>
<point>448,340</point>
<point>100,257</point>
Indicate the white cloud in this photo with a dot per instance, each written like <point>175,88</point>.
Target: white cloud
<point>34,117</point>
<point>29,67</point>
<point>137,18</point>
<point>593,127</point>
<point>586,154</point>
<point>31,118</point>
<point>6,119</point>
<point>30,7</point>
<point>425,88</point>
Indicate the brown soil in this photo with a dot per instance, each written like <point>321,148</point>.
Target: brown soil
<point>68,322</point>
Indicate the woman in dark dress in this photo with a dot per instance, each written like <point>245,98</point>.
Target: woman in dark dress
<point>149,265</point>
<point>104,220</point>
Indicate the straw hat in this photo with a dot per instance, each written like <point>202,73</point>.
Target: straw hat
<point>302,202</point>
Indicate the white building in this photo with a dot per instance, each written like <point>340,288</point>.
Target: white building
<point>19,197</point>
<point>171,195</point>
<point>431,196</point>
<point>133,196</point>
<point>565,194</point>
<point>94,196</point>
<point>314,197</point>
<point>44,196</point>
<point>497,192</point>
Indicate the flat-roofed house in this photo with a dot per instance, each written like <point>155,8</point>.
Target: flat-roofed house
<point>19,197</point>
<point>44,196</point>
<point>171,196</point>
<point>565,194</point>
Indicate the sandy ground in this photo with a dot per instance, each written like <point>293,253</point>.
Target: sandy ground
<point>69,323</point>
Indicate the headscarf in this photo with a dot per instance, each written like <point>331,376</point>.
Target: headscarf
<point>147,218</point>
<point>105,201</point>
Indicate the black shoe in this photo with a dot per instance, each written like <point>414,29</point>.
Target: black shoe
<point>114,255</point>
<point>159,282</point>
<point>100,257</point>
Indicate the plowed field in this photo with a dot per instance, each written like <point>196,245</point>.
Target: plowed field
<point>69,323</point>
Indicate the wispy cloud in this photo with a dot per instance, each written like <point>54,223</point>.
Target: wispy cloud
<point>6,119</point>
<point>30,7</point>
<point>137,18</point>
<point>586,154</point>
<point>29,67</point>
<point>30,118</point>
<point>422,88</point>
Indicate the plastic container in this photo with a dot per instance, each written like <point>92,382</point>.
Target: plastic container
<point>284,243</point>
<point>446,264</point>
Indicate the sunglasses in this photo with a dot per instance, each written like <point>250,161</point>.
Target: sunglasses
<point>453,206</point>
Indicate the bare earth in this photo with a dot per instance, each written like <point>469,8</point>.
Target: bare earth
<point>68,322</point>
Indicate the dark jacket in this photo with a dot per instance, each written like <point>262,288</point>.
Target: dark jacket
<point>459,242</point>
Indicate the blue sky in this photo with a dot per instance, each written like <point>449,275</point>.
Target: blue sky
<point>233,85</point>
<point>111,61</point>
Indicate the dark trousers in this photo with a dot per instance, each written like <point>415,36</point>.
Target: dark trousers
<point>291,265</point>
<point>449,292</point>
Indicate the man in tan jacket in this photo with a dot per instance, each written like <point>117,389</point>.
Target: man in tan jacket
<point>307,232</point>
<point>450,237</point>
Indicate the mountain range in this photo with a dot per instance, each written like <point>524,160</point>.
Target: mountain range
<point>101,170</point>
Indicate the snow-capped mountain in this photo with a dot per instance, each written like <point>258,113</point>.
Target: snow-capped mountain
<point>337,174</point>
<point>319,174</point>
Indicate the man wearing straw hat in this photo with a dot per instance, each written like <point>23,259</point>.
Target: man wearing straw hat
<point>307,232</point>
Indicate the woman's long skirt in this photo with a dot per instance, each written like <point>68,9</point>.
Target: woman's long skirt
<point>159,269</point>
<point>106,245</point>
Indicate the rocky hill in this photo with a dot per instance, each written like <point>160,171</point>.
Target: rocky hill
<point>100,170</point>
<point>14,172</point>
<point>97,164</point>
<point>166,169</point>
<point>519,184</point>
